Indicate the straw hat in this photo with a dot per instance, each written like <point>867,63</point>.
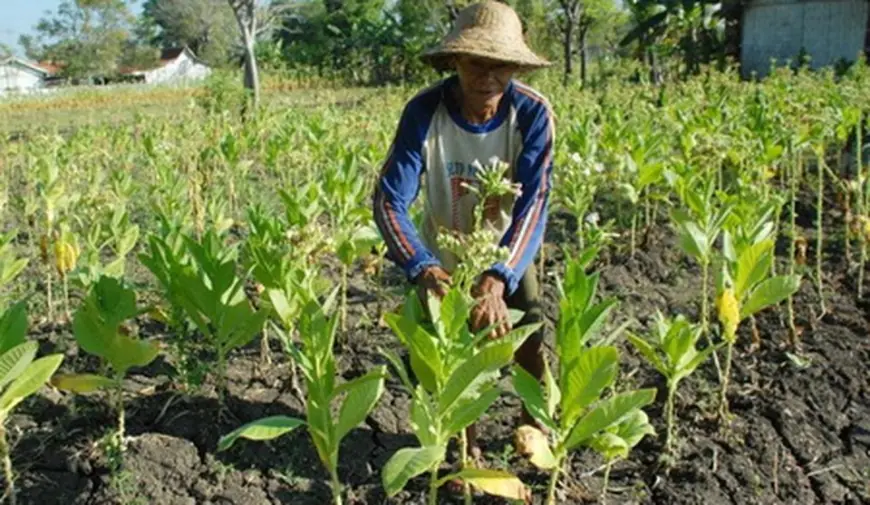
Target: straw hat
<point>489,30</point>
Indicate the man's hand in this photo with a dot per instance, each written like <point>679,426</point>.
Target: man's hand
<point>433,280</point>
<point>491,308</point>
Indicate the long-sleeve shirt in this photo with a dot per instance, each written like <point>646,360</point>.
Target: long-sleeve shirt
<point>436,145</point>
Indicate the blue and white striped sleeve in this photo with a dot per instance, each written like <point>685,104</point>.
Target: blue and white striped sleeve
<point>533,171</point>
<point>398,187</point>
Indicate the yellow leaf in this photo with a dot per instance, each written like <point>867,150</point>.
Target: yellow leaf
<point>81,383</point>
<point>497,483</point>
<point>729,313</point>
<point>532,442</point>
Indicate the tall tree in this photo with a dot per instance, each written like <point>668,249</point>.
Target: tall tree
<point>255,19</point>
<point>207,27</point>
<point>88,36</point>
<point>578,21</point>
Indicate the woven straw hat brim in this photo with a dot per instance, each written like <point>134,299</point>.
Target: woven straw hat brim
<point>481,43</point>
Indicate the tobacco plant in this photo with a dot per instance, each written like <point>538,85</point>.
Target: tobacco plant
<point>100,329</point>
<point>20,377</point>
<point>574,408</point>
<point>699,227</point>
<point>745,287</point>
<point>206,288</point>
<point>317,332</point>
<point>671,348</point>
<point>457,372</point>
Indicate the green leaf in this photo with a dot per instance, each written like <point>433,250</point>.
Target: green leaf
<point>586,379</point>
<point>128,352</point>
<point>468,411</point>
<point>770,292</point>
<point>609,445</point>
<point>693,241</point>
<point>82,383</point>
<point>425,357</point>
<point>14,361</point>
<point>686,369</point>
<point>454,312</point>
<point>13,326</point>
<point>593,319</point>
<point>752,266</point>
<point>33,378</point>
<point>529,390</point>
<point>267,428</point>
<point>606,414</point>
<point>406,464</point>
<point>648,352</point>
<point>470,373</point>
<point>554,394</point>
<point>360,400</point>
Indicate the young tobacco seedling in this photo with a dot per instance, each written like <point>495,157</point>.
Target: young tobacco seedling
<point>616,442</point>
<point>98,328</point>
<point>209,292</point>
<point>20,377</point>
<point>457,373</point>
<point>671,347</point>
<point>574,408</point>
<point>317,362</point>
<point>699,228</point>
<point>744,288</point>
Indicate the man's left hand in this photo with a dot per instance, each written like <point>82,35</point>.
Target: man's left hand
<point>491,308</point>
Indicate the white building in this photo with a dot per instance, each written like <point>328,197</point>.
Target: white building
<point>828,31</point>
<point>176,66</point>
<point>17,75</point>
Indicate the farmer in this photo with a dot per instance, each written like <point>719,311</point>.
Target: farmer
<point>446,131</point>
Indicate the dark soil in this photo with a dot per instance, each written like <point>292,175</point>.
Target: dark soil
<point>799,433</point>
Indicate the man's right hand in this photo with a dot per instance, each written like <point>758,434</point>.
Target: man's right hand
<point>433,280</point>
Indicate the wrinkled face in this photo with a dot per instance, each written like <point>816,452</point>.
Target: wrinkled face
<point>483,79</point>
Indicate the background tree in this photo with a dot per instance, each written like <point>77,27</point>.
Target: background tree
<point>207,27</point>
<point>693,31</point>
<point>255,19</point>
<point>88,36</point>
<point>5,51</point>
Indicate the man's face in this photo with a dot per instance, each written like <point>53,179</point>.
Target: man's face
<point>482,78</point>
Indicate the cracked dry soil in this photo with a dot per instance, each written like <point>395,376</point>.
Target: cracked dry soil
<point>799,434</point>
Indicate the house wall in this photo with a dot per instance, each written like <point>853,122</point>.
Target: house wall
<point>828,30</point>
<point>183,68</point>
<point>16,77</point>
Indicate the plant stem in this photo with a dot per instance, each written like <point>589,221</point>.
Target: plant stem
<point>67,313</point>
<point>861,201</point>
<point>551,488</point>
<point>48,279</point>
<point>705,279</point>
<point>723,398</point>
<point>265,352</point>
<point>433,484</point>
<point>344,299</point>
<point>633,230</point>
<point>606,481</point>
<point>463,458</point>
<point>819,235</point>
<point>792,237</point>
<point>221,378</point>
<point>336,487</point>
<point>670,439</point>
<point>7,466</point>
<point>122,424</point>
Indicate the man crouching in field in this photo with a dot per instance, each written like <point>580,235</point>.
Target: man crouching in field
<point>444,133</point>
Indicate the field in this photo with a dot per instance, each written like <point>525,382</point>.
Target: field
<point>668,186</point>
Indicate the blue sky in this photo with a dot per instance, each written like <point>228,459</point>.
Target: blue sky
<point>20,16</point>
